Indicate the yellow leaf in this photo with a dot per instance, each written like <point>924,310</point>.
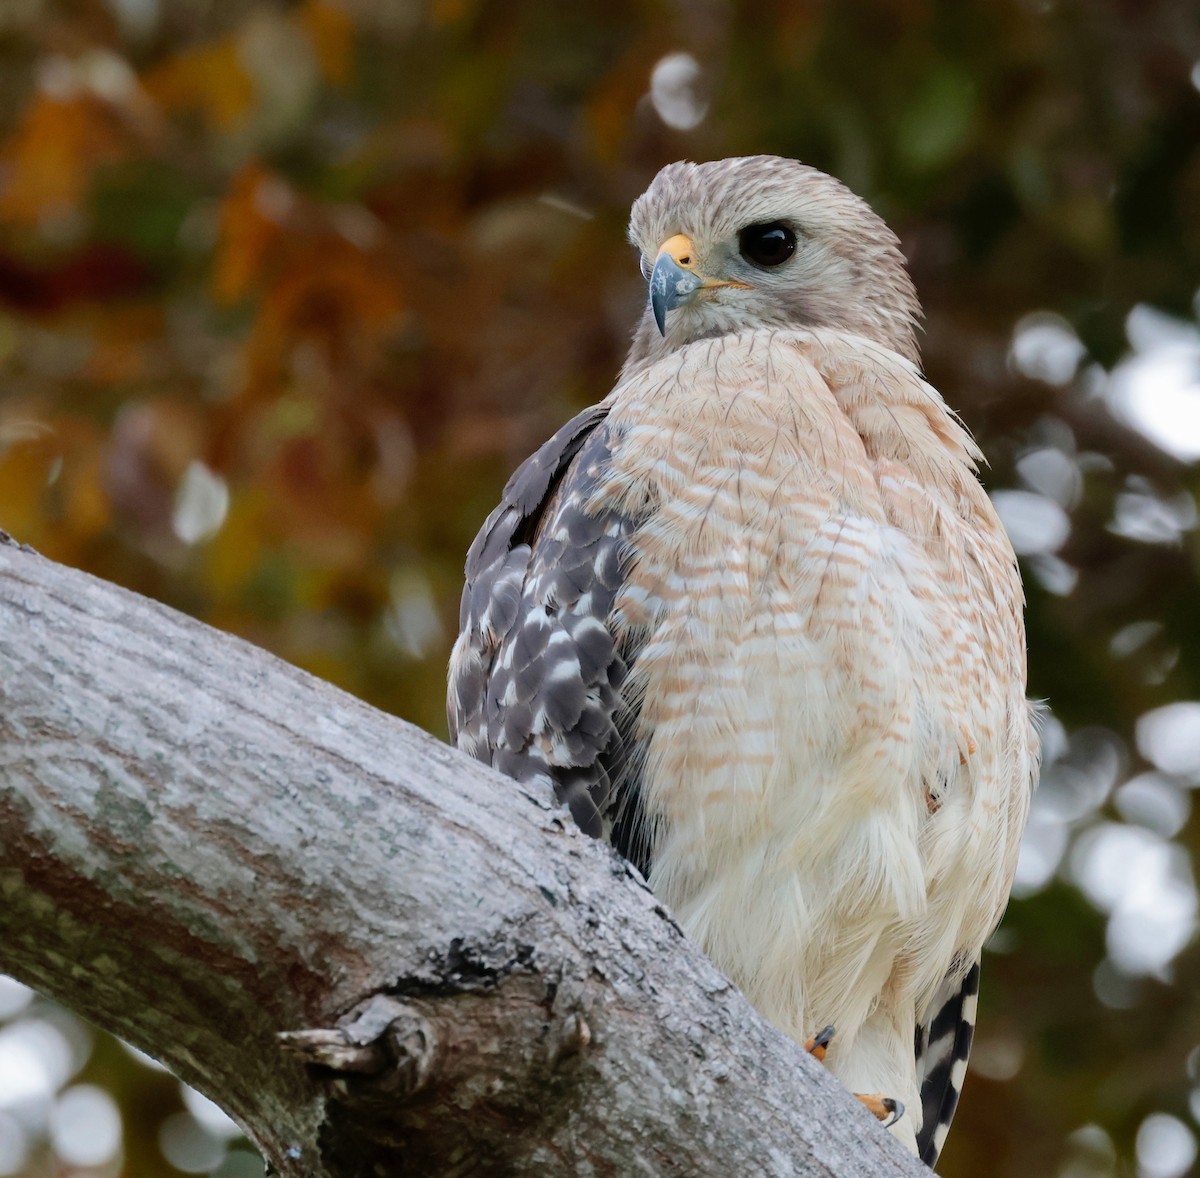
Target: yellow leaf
<point>210,79</point>
<point>30,459</point>
<point>86,505</point>
<point>232,557</point>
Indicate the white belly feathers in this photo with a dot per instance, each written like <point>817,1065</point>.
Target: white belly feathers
<point>836,740</point>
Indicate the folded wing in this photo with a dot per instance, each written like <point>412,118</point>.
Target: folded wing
<point>536,674</point>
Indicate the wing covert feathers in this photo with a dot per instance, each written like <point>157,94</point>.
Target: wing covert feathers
<point>536,673</point>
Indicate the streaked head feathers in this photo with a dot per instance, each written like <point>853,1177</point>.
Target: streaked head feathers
<point>846,270</point>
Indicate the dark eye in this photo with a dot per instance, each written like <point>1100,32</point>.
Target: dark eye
<point>767,245</point>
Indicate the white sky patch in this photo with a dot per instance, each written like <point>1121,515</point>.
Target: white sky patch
<point>85,1126</point>
<point>1045,347</point>
<point>1078,780</point>
<point>411,620</point>
<point>14,996</point>
<point>1169,738</point>
<point>201,504</point>
<point>188,1145</point>
<point>673,91</point>
<point>1133,637</point>
<point>1148,328</point>
<point>14,1145</point>
<point>1105,859</point>
<point>1145,884</point>
<point>1140,514</point>
<point>210,1115</point>
<point>1054,574</point>
<point>1052,473</point>
<point>1166,1147</point>
<point>997,1058</point>
<point>1055,740</point>
<point>1091,1154</point>
<point>1048,472</point>
<point>1047,832</point>
<point>1155,802</point>
<point>1156,389</point>
<point>1042,848</point>
<point>36,1059</point>
<point>1034,522</point>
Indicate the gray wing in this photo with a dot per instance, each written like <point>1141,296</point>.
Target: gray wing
<point>943,1045</point>
<point>536,674</point>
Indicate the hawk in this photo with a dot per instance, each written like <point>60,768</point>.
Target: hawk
<point>755,619</point>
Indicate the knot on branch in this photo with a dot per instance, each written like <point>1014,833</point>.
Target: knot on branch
<point>387,1039</point>
<point>487,1040</point>
<point>12,541</point>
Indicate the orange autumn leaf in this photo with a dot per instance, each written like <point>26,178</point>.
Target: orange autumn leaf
<point>443,13</point>
<point>334,277</point>
<point>331,293</point>
<point>249,229</point>
<point>48,162</point>
<point>85,501</point>
<point>331,32</point>
<point>126,344</point>
<point>610,110</point>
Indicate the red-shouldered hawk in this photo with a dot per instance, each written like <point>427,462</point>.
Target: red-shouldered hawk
<point>756,620</point>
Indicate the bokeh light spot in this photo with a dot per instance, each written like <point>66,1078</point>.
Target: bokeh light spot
<point>1034,522</point>
<point>188,1145</point>
<point>85,1126</point>
<point>674,91</point>
<point>1169,738</point>
<point>1166,1147</point>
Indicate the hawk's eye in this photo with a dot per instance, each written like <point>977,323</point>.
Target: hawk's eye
<point>767,245</point>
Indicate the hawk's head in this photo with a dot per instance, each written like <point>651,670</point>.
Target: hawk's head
<point>760,241</point>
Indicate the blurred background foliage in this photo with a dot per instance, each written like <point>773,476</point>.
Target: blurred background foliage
<point>286,290</point>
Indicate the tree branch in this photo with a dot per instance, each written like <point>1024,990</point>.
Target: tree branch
<point>379,956</point>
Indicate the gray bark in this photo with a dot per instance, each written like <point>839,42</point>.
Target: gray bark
<point>379,956</point>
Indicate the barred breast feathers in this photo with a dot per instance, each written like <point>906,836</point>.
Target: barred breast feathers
<point>757,621</point>
<point>829,601</point>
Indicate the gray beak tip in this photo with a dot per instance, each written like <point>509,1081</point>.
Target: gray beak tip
<point>658,304</point>
<point>670,285</point>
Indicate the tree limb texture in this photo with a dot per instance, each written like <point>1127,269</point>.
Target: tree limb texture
<point>379,956</point>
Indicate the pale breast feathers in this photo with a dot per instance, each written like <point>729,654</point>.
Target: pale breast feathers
<point>756,620</point>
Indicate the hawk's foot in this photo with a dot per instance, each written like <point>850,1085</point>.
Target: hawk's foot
<point>818,1045</point>
<point>885,1109</point>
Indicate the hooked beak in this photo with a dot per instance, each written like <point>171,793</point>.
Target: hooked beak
<point>674,280</point>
